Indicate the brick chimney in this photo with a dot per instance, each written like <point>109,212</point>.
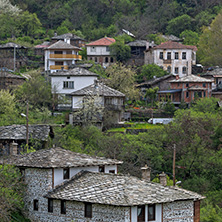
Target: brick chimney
<point>163,179</point>
<point>146,173</point>
<point>13,148</point>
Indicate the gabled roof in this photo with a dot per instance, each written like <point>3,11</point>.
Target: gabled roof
<point>11,45</point>
<point>118,190</point>
<point>74,72</point>
<point>174,45</point>
<point>62,45</point>
<point>192,78</point>
<point>138,43</point>
<point>18,132</point>
<point>106,41</point>
<point>98,89</point>
<point>57,158</point>
<point>67,35</point>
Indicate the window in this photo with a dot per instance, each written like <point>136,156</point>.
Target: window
<point>184,55</point>
<point>63,207</point>
<point>169,69</point>
<point>68,85</point>
<point>112,171</point>
<point>58,52</point>
<point>50,205</point>
<point>187,94</point>
<point>161,55</point>
<point>93,49</point>
<point>141,213</point>
<point>66,174</point>
<point>101,169</point>
<point>107,49</point>
<point>200,94</point>
<point>111,60</point>
<point>95,59</point>
<point>176,70</point>
<point>204,94</point>
<point>184,70</point>
<point>88,210</point>
<point>178,84</point>
<point>151,212</point>
<point>59,63</point>
<point>169,55</point>
<point>36,205</point>
<point>68,77</point>
<point>187,85</point>
<point>106,60</point>
<point>176,55</point>
<point>204,84</point>
<point>69,52</point>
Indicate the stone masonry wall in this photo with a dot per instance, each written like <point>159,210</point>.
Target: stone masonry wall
<point>75,213</point>
<point>39,182</point>
<point>180,211</point>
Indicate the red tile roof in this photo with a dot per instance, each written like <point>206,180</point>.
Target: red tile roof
<point>106,41</point>
<point>174,45</point>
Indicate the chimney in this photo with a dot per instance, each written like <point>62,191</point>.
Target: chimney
<point>163,179</point>
<point>147,45</point>
<point>146,173</point>
<point>13,148</point>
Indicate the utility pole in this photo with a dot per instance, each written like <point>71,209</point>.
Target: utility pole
<point>14,57</point>
<point>174,160</point>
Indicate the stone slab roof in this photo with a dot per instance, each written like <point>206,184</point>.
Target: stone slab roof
<point>215,72</point>
<point>18,132</point>
<point>174,45</point>
<point>119,190</point>
<point>138,43</point>
<point>58,158</point>
<point>78,71</point>
<point>106,41</point>
<point>98,89</point>
<point>11,45</point>
<point>67,35</point>
<point>192,78</point>
<point>10,75</point>
<point>62,45</point>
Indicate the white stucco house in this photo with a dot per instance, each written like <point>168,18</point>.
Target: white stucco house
<point>173,57</point>
<point>60,55</point>
<point>67,186</point>
<point>99,51</point>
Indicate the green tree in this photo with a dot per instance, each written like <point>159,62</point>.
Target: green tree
<point>151,94</point>
<point>189,37</point>
<point>210,46</point>
<point>179,24</point>
<point>122,78</point>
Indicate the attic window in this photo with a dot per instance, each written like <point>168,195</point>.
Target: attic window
<point>101,169</point>
<point>66,174</point>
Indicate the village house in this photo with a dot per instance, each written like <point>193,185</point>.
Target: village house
<point>9,81</point>
<point>13,56</point>
<point>69,38</point>
<point>67,186</point>
<point>66,82</point>
<point>99,51</point>
<point>60,55</point>
<point>173,57</point>
<point>9,135</point>
<point>186,89</point>
<point>107,102</point>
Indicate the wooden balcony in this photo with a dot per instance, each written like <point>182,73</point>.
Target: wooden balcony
<point>57,67</point>
<point>65,56</point>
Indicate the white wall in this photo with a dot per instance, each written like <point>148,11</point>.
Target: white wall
<point>77,101</point>
<point>79,83</point>
<point>58,173</point>
<point>99,50</point>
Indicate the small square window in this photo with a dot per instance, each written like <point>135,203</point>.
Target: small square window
<point>36,205</point>
<point>66,174</point>
<point>88,210</point>
<point>50,205</point>
<point>63,207</point>
<point>68,77</point>
<point>112,171</point>
<point>101,169</point>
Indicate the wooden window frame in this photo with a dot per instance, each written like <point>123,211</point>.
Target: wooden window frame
<point>88,210</point>
<point>141,216</point>
<point>154,212</point>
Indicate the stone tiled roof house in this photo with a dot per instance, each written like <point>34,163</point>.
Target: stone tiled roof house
<point>173,57</point>
<point>60,55</point>
<point>67,186</point>
<point>99,51</point>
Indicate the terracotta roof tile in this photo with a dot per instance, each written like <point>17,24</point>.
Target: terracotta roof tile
<point>106,41</point>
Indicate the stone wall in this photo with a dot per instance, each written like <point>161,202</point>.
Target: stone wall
<point>180,211</point>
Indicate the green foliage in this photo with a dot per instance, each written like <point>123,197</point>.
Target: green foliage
<point>149,71</point>
<point>151,93</point>
<point>156,38</point>
<point>210,213</point>
<point>189,37</point>
<point>179,24</point>
<point>169,108</point>
<point>11,192</point>
<point>169,181</point>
